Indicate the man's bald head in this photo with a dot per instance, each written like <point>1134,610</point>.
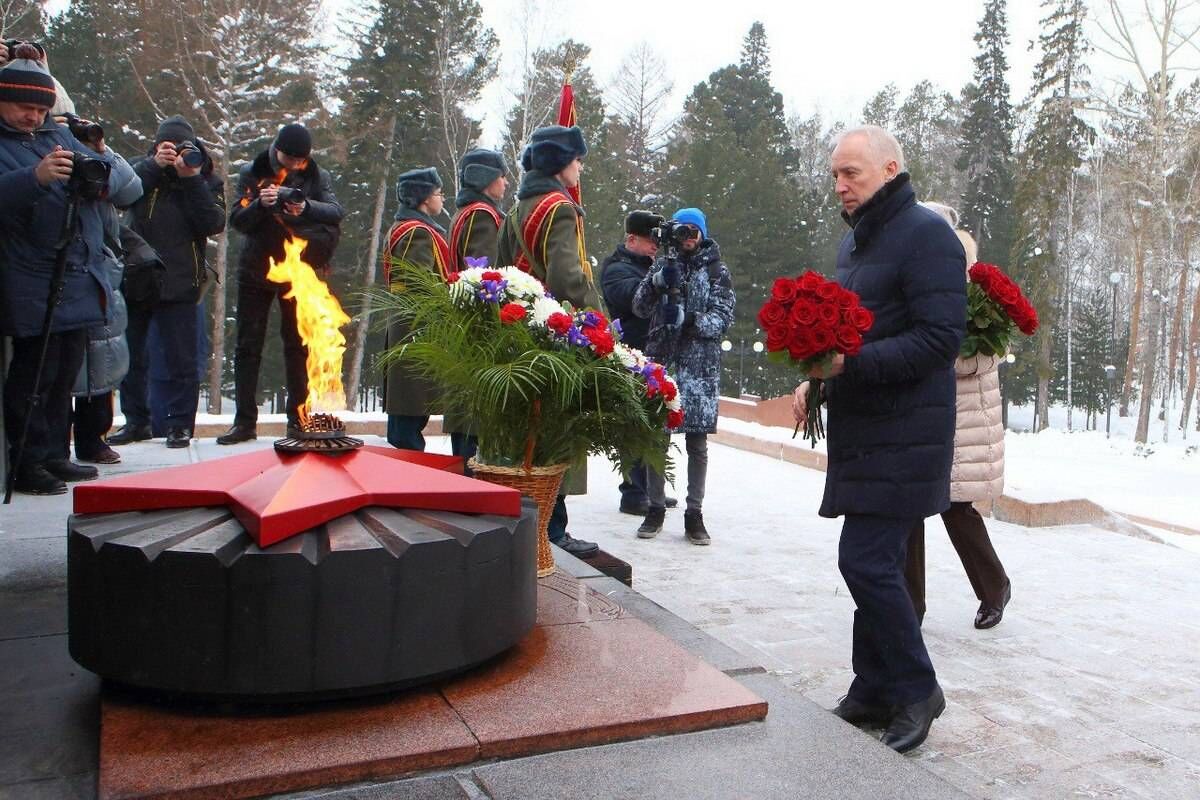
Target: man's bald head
<point>864,159</point>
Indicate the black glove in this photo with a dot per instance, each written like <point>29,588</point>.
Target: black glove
<point>667,277</point>
<point>672,315</point>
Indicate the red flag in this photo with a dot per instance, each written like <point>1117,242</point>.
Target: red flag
<point>566,118</point>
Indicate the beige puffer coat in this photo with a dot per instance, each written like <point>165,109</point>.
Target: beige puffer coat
<point>978,471</point>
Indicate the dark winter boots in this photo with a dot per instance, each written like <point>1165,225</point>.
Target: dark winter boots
<point>653,523</point>
<point>693,527</point>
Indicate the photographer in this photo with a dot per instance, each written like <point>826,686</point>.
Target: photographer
<point>45,172</point>
<point>283,194</point>
<point>688,298</point>
<point>183,204</point>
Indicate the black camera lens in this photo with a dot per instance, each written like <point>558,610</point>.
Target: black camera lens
<point>190,154</point>
<point>83,130</point>
<point>89,177</point>
<point>288,194</point>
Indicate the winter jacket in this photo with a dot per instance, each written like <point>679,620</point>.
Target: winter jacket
<point>106,359</point>
<point>266,229</point>
<point>620,276</point>
<point>31,221</point>
<point>558,258</point>
<point>692,352</point>
<point>892,411</point>
<point>478,232</point>
<point>978,471</point>
<point>176,216</point>
<point>406,392</point>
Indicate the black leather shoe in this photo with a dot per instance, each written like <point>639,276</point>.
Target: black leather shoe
<point>653,523</point>
<point>179,437</point>
<point>672,502</point>
<point>857,712</point>
<point>238,433</point>
<point>37,480</point>
<point>634,509</point>
<point>67,470</point>
<point>105,455</point>
<point>128,434</point>
<point>578,547</point>
<point>910,726</point>
<point>988,617</point>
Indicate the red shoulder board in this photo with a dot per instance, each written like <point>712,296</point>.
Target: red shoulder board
<point>533,224</point>
<point>460,222</point>
<point>441,250</point>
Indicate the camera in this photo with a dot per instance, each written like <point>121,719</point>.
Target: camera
<point>84,130</point>
<point>288,194</point>
<point>190,154</point>
<point>672,234</point>
<point>12,45</point>
<point>89,178</point>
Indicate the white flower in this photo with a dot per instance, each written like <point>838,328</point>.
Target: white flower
<point>674,404</point>
<point>522,284</point>
<point>542,308</point>
<point>626,355</point>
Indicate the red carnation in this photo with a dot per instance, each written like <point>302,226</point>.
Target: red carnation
<point>559,322</point>
<point>511,312</point>
<point>772,314</point>
<point>804,313</point>
<point>669,390</point>
<point>602,340</point>
<point>452,277</point>
<point>862,319</point>
<point>784,290</point>
<point>492,275</point>
<point>675,419</point>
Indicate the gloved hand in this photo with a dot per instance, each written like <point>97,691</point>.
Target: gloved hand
<point>672,315</point>
<point>668,277</point>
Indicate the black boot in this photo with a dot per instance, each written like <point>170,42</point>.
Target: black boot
<point>238,433</point>
<point>653,522</point>
<point>128,434</point>
<point>911,724</point>
<point>179,437</point>
<point>693,527</point>
<point>37,480</point>
<point>66,470</point>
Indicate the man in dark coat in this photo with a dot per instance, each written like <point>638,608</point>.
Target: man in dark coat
<point>181,206</point>
<point>689,302</point>
<point>891,424</point>
<point>414,239</point>
<point>36,159</point>
<point>620,275</point>
<point>267,224</point>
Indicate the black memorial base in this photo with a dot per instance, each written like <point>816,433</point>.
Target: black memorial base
<point>184,603</point>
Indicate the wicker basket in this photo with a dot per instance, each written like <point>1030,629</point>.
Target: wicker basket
<point>539,483</point>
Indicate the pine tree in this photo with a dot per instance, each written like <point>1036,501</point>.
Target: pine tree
<point>1042,256</point>
<point>987,133</point>
<point>927,126</point>
<point>881,108</point>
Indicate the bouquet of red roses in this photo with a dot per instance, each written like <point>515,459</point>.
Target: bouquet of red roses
<point>808,321</point>
<point>995,306</point>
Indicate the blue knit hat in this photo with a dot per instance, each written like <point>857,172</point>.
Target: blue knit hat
<point>693,216</point>
<point>25,78</point>
<point>415,186</point>
<point>479,167</point>
<point>552,148</point>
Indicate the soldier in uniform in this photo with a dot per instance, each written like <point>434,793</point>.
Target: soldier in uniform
<point>416,239</point>
<point>475,233</point>
<point>543,235</point>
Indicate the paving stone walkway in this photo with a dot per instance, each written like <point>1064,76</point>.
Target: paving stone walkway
<point>1090,687</point>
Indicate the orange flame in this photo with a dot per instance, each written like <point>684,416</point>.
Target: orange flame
<point>319,318</point>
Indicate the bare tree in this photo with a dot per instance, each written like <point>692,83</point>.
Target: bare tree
<point>637,96</point>
<point>20,17</point>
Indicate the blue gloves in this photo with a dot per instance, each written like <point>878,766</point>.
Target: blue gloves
<point>667,277</point>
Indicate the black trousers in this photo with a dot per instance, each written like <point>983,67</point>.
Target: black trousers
<point>968,533</point>
<point>47,406</point>
<point>177,326</point>
<point>92,418</point>
<point>891,664</point>
<point>253,310</point>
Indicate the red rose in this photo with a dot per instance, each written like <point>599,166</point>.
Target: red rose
<point>849,340</point>
<point>602,340</point>
<point>675,419</point>
<point>1007,293</point>
<point>823,340</point>
<point>846,298</point>
<point>559,322</point>
<point>800,344</point>
<point>511,312</point>
<point>810,281</point>
<point>828,314</point>
<point>804,313</point>
<point>452,277</point>
<point>829,292</point>
<point>862,318</point>
<point>777,338</point>
<point>772,314</point>
<point>783,290</point>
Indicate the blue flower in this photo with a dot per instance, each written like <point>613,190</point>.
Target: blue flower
<point>477,263</point>
<point>492,291</point>
<point>575,336</point>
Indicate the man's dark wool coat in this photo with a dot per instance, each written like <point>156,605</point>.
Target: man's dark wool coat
<point>891,413</point>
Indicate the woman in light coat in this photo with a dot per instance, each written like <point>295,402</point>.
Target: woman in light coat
<point>977,475</point>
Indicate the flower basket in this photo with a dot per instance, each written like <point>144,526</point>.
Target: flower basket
<point>537,483</point>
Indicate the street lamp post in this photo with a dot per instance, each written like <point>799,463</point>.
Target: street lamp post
<point>1110,372</point>
<point>727,346</point>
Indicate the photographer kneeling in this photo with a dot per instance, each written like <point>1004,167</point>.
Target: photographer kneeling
<point>45,173</point>
<point>688,298</point>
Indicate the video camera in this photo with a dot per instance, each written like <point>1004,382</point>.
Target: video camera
<point>671,234</point>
